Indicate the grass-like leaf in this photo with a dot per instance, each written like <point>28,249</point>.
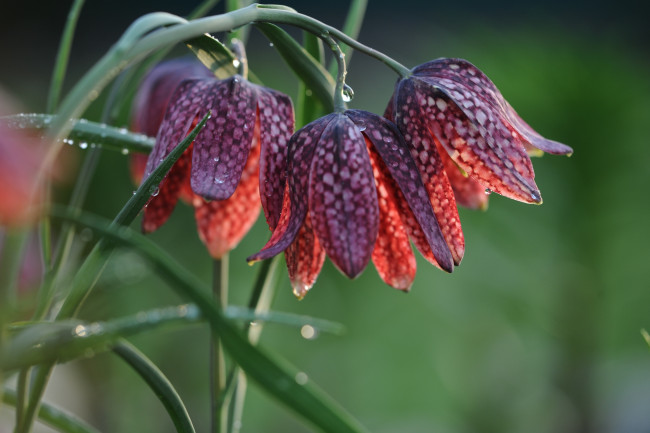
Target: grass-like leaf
<point>158,383</point>
<point>273,374</point>
<point>53,416</point>
<point>307,69</point>
<point>86,134</point>
<point>214,55</point>
<point>66,340</point>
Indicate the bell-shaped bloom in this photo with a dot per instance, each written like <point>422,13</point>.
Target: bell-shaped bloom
<point>452,114</point>
<point>353,192</point>
<point>233,163</point>
<point>21,188</point>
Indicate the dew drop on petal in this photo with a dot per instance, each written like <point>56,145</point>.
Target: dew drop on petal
<point>488,191</point>
<point>236,63</point>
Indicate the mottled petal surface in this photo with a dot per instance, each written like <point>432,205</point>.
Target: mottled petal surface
<point>390,145</point>
<point>305,258</point>
<point>183,110</point>
<point>223,223</point>
<point>468,78</point>
<point>481,143</point>
<point>275,113</point>
<point>162,203</point>
<point>409,119</point>
<point>392,255</point>
<point>294,208</point>
<point>468,192</point>
<point>342,196</point>
<point>221,148</point>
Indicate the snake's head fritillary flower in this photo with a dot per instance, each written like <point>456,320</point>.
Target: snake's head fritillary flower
<point>448,109</point>
<point>152,99</point>
<point>21,156</point>
<point>353,192</point>
<point>232,162</point>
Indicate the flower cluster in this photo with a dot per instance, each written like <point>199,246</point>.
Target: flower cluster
<point>352,185</point>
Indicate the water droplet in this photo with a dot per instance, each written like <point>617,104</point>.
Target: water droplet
<point>155,192</point>
<point>301,378</point>
<point>308,332</point>
<point>80,331</point>
<point>270,44</point>
<point>488,191</point>
<point>215,159</point>
<point>83,145</point>
<point>236,63</point>
<point>123,131</point>
<point>362,128</point>
<point>218,180</point>
<point>125,151</point>
<point>134,192</point>
<point>348,93</point>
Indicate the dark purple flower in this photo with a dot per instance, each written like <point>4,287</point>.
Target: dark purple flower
<point>236,160</point>
<point>350,180</point>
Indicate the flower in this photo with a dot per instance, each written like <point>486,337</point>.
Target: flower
<point>467,141</point>
<point>231,165</point>
<point>448,110</point>
<point>152,100</point>
<point>350,182</point>
<point>21,156</point>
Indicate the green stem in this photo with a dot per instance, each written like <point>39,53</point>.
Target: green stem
<point>63,55</point>
<point>133,47</point>
<point>339,96</point>
<point>217,360</point>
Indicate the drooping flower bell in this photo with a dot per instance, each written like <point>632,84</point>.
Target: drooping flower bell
<point>236,160</point>
<point>350,177</point>
<point>448,110</point>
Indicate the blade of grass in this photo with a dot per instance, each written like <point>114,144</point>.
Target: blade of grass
<point>272,374</point>
<point>54,417</point>
<point>159,384</point>
<point>86,134</point>
<point>307,69</point>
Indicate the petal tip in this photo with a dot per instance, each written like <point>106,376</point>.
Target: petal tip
<point>300,289</point>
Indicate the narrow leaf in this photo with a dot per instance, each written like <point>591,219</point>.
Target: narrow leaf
<point>53,416</point>
<point>306,68</point>
<point>85,133</point>
<point>273,374</point>
<point>159,384</point>
<point>66,340</point>
<point>214,55</point>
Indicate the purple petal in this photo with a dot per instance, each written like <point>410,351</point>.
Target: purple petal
<point>157,88</point>
<point>390,145</point>
<point>276,124</point>
<point>221,148</point>
<point>343,197</point>
<point>479,140</point>
<point>299,165</point>
<point>461,76</point>
<point>182,110</point>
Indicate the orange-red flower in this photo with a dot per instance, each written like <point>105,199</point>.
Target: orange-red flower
<point>235,162</point>
<point>21,187</point>
<point>353,192</point>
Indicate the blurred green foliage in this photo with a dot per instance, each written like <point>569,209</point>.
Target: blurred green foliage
<point>538,330</point>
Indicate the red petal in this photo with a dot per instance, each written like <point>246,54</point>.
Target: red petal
<point>221,148</point>
<point>161,205</point>
<point>294,207</point>
<point>223,223</point>
<point>389,145</point>
<point>468,192</point>
<point>275,113</point>
<point>423,149</point>
<point>392,255</point>
<point>304,258</point>
<point>343,197</point>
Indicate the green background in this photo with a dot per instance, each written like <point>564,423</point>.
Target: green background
<point>537,331</point>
